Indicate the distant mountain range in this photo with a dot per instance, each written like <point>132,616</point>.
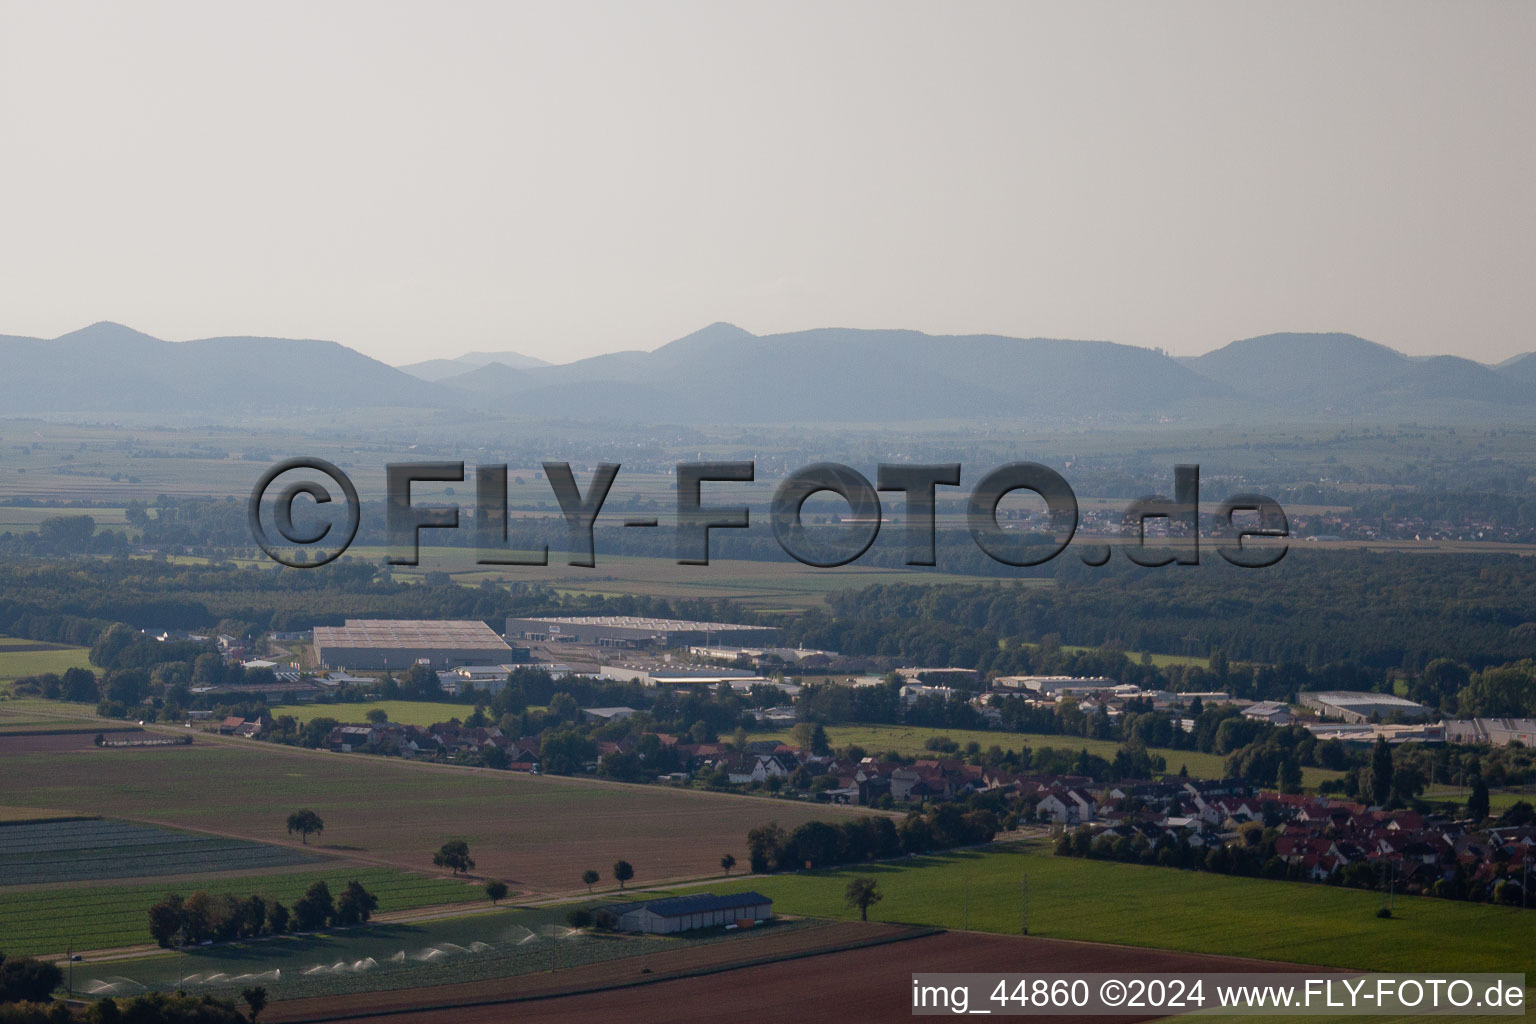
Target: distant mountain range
<point>108,368</point>
<point>437,369</point>
<point>723,374</point>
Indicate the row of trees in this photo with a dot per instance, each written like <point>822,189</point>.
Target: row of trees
<point>817,844</point>
<point>204,917</point>
<point>150,1008</point>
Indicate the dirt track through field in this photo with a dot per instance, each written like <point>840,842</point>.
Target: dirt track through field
<point>872,983</point>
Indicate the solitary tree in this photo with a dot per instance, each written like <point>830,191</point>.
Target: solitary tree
<point>1477,803</point>
<point>454,855</point>
<point>496,889</point>
<point>579,918</point>
<point>590,877</point>
<point>305,823</point>
<point>728,862</point>
<point>1381,772</point>
<point>623,871</point>
<point>255,998</point>
<point>863,893</point>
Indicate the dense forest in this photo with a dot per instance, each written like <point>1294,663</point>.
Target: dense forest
<point>1378,611</point>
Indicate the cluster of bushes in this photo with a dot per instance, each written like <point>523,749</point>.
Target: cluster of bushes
<point>204,917</point>
<point>26,997</point>
<point>76,684</point>
<point>1253,856</point>
<point>818,844</point>
<point>23,979</point>
<point>151,1008</point>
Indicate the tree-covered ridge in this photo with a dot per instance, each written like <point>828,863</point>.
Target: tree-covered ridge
<point>1378,611</point>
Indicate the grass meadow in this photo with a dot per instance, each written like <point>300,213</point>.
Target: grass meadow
<point>1000,889</point>
<point>406,712</point>
<point>32,714</point>
<point>19,658</point>
<point>108,916</point>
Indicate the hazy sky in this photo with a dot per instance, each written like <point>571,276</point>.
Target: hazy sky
<point>568,178</point>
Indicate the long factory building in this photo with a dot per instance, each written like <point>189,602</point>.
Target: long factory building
<point>397,644</point>
<point>634,631</point>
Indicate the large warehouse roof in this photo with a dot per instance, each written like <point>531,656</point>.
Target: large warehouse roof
<point>639,622</point>
<point>703,903</point>
<point>410,634</point>
<point>1353,698</point>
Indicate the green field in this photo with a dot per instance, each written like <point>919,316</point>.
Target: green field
<point>406,712</point>
<point>909,740</point>
<point>1160,660</point>
<point>13,814</point>
<point>33,714</point>
<point>104,917</point>
<point>1164,908</point>
<point>1498,799</point>
<point>68,852</point>
<point>17,659</point>
<point>21,519</point>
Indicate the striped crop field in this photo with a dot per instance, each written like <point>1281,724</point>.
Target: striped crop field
<point>33,852</point>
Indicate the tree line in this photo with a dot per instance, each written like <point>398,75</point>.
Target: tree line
<point>203,917</point>
<point>819,844</point>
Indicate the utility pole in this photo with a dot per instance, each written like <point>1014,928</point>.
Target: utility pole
<point>1023,906</point>
<point>967,917</point>
<point>69,955</point>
